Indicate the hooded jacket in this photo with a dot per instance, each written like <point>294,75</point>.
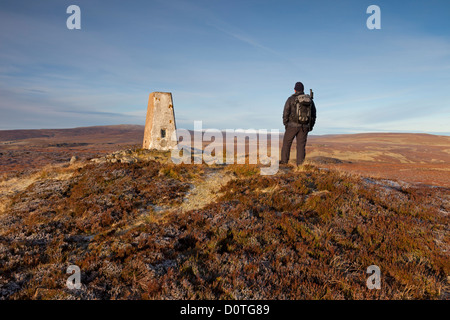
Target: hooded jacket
<point>290,113</point>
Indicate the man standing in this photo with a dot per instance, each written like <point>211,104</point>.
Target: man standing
<point>299,117</point>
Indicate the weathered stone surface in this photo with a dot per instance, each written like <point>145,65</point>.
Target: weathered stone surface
<point>134,156</point>
<point>160,122</point>
<point>98,160</point>
<point>128,160</point>
<point>74,159</point>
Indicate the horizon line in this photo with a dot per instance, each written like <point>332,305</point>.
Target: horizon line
<point>237,129</point>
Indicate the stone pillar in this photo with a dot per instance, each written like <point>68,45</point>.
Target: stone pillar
<point>160,122</point>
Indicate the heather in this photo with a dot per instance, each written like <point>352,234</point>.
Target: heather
<point>138,231</point>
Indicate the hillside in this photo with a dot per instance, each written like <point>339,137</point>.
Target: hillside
<point>97,134</point>
<point>30,150</point>
<point>414,158</point>
<point>411,157</point>
<point>149,229</point>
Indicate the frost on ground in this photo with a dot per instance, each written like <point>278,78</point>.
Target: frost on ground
<point>149,229</point>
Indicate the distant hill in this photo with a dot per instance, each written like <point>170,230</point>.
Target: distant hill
<point>412,157</point>
<point>123,133</point>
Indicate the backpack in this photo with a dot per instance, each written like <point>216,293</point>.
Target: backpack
<point>303,105</point>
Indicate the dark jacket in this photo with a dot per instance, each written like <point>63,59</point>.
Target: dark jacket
<point>290,113</point>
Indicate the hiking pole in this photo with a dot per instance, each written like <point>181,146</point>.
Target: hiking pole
<point>311,93</point>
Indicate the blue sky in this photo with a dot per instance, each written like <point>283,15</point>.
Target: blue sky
<point>231,64</point>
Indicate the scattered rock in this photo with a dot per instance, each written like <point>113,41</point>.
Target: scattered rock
<point>128,160</point>
<point>133,156</point>
<point>74,159</point>
<point>98,160</point>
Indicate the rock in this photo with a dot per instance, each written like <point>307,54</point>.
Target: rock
<point>98,160</point>
<point>125,153</point>
<point>74,159</point>
<point>128,160</point>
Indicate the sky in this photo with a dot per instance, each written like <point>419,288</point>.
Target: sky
<point>231,64</point>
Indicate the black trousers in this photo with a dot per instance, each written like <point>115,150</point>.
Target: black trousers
<point>301,133</point>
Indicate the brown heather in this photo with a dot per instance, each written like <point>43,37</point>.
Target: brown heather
<point>300,234</point>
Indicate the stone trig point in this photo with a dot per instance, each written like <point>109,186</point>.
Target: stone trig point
<point>160,122</point>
